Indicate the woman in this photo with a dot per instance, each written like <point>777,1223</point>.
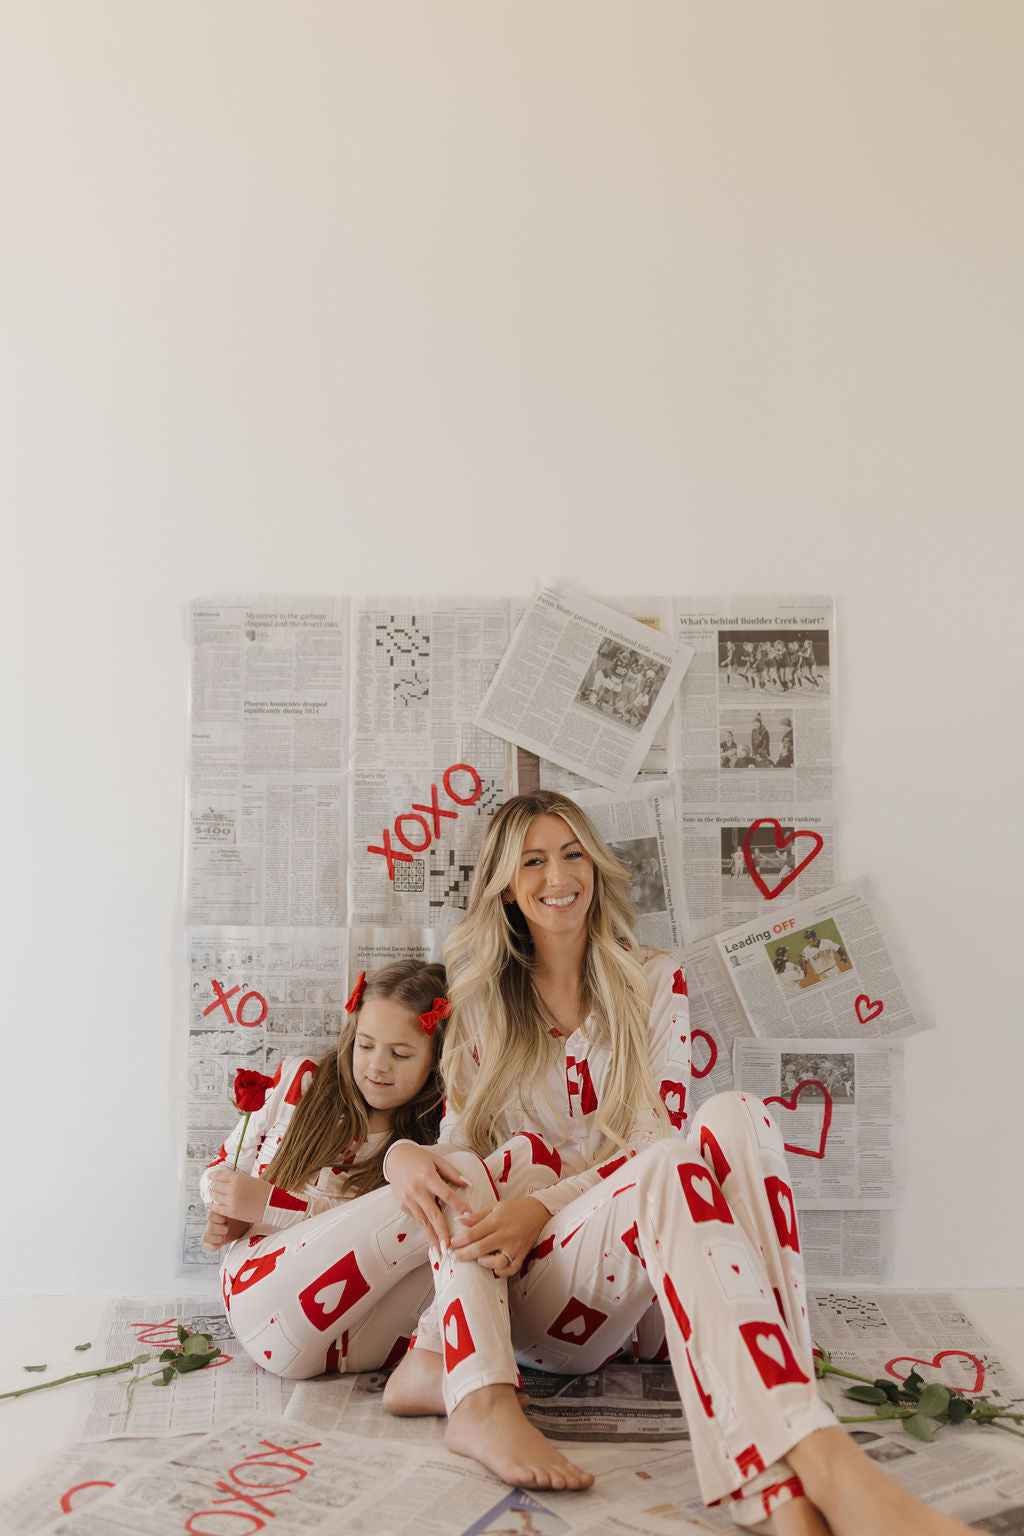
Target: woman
<point>563,1025</point>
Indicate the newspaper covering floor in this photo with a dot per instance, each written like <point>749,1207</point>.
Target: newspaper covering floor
<point>329,1459</point>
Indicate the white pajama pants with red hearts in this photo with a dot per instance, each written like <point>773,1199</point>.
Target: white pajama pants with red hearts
<point>707,1226</point>
<point>342,1291</point>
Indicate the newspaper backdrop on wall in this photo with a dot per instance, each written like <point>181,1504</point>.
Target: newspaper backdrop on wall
<point>192,1403</point>
<point>821,967</point>
<point>584,686</point>
<point>737,865</point>
<point>425,777</point>
<point>256,996</point>
<point>839,1106</point>
<point>640,829</point>
<point>266,798</point>
<point>533,772</point>
<point>756,713</point>
<point>843,1247</point>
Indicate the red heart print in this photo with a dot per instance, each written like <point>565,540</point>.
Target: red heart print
<point>935,1363</point>
<point>781,842</point>
<point>712,1052</point>
<point>869,1010</point>
<point>790,1103</point>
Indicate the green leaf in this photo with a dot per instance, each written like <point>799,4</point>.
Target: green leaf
<point>865,1394</point>
<point>918,1426</point>
<point>33,1367</point>
<point>182,1334</point>
<point>887,1411</point>
<point>889,1387</point>
<point>983,1410</point>
<point>164,1376</point>
<point>80,1347</point>
<point>140,1359</point>
<point>167,1354</point>
<point>197,1344</point>
<point>913,1383</point>
<point>934,1401</point>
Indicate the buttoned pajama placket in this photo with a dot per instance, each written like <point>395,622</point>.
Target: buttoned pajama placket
<point>342,1290</point>
<point>705,1225</point>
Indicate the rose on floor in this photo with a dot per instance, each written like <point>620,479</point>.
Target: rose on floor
<point>193,1352</point>
<point>918,1403</point>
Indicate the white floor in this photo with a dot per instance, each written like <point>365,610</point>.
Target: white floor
<point>45,1329</point>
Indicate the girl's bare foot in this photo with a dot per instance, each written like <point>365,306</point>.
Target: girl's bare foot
<point>489,1426</point>
<point>856,1496</point>
<point>415,1386</point>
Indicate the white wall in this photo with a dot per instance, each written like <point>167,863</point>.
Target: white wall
<point>444,297</point>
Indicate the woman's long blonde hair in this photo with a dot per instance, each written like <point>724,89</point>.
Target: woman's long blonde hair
<point>332,1116</point>
<point>497,1013</point>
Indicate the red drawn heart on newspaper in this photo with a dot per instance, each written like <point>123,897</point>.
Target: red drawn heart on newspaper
<point>712,1050</point>
<point>870,1010</point>
<point>826,1119</point>
<point>768,892</point>
<point>934,1364</point>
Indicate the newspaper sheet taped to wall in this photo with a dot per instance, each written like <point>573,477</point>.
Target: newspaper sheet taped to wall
<point>839,1106</point>
<point>256,996</point>
<point>735,867</point>
<point>821,967</point>
<point>267,804</point>
<point>584,686</point>
<point>756,711</point>
<point>640,829</point>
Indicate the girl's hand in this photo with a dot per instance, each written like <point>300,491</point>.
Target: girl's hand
<point>501,1237</point>
<point>423,1181</point>
<point>221,1230</point>
<point>238,1195</point>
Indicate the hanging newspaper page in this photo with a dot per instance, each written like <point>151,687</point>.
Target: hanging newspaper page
<point>221,1392</point>
<point>640,829</point>
<point>847,1246</point>
<point>757,707</point>
<point>820,967</point>
<point>734,865</point>
<point>584,686</point>
<point>839,1106</point>
<point>266,792</point>
<point>370,949</point>
<point>425,777</point>
<point>256,996</point>
<point>533,772</point>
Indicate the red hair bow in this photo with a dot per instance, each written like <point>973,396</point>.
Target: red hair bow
<point>357,994</point>
<point>433,1016</point>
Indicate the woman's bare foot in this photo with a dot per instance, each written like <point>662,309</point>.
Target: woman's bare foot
<point>415,1386</point>
<point>856,1496</point>
<point>489,1426</point>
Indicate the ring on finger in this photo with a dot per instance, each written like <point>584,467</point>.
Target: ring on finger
<point>506,1256</point>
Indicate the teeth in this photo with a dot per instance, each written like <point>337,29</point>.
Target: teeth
<point>558,901</point>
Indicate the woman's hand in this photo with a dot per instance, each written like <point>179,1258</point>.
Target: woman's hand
<point>238,1195</point>
<point>501,1237</point>
<point>423,1181</point>
<point>221,1230</point>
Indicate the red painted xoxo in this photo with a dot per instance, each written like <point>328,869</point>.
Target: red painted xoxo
<point>256,1467</point>
<point>790,1103</point>
<point>935,1364</point>
<point>770,893</point>
<point>65,1498</point>
<point>712,1050</point>
<point>870,1010</point>
<point>420,835</point>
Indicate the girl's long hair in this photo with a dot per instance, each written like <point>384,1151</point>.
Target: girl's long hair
<point>332,1116</point>
<point>497,1013</point>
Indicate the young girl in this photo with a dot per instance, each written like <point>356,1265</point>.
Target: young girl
<point>561,1020</point>
<point>322,1270</point>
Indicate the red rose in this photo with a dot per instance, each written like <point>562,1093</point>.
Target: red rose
<point>251,1090</point>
